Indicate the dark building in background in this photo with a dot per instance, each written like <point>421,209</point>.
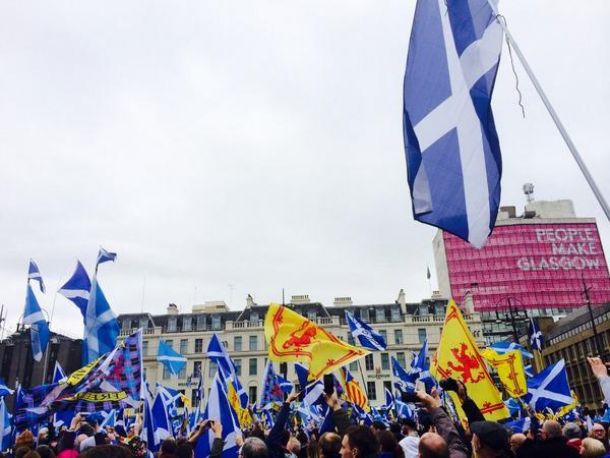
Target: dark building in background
<point>17,364</point>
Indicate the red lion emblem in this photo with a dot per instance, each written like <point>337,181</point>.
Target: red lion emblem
<point>302,340</point>
<point>468,364</point>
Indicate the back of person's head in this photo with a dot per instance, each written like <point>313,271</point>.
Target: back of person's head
<point>379,425</point>
<point>329,445</point>
<point>254,447</point>
<point>21,451</point>
<point>183,450</point>
<point>592,448</point>
<point>395,429</point>
<point>388,443</point>
<point>31,454</point>
<point>106,451</point>
<point>362,439</point>
<point>45,451</point>
<point>293,445</point>
<point>571,431</point>
<point>432,445</point>
<point>516,441</point>
<point>168,446</point>
<point>86,428</point>
<point>25,439</point>
<point>551,429</point>
<point>408,426</point>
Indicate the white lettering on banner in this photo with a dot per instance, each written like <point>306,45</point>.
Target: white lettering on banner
<point>565,235</point>
<point>557,263</point>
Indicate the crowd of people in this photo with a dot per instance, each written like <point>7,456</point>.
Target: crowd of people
<point>431,433</point>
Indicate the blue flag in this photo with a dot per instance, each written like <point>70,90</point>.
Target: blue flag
<point>271,390</point>
<point>77,288</point>
<point>104,256</point>
<point>451,144</point>
<point>404,380</point>
<point>4,389</point>
<point>39,328</point>
<point>504,347</point>
<point>170,358</point>
<point>5,427</point>
<point>34,274</point>
<point>58,373</point>
<point>529,371</point>
<point>366,336</point>
<point>549,389</point>
<point>536,338</point>
<point>218,353</point>
<point>101,325</point>
<point>313,390</point>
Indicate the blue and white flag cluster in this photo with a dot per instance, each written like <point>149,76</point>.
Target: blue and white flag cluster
<point>452,148</point>
<point>549,389</point>
<point>364,334</point>
<point>170,358</point>
<point>403,380</point>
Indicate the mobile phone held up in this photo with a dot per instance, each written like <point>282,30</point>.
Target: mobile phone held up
<point>329,384</point>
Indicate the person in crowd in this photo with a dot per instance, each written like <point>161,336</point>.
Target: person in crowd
<point>278,438</point>
<point>359,442</point>
<point>388,445</point>
<point>516,441</point>
<point>550,443</point>
<point>396,429</point>
<point>45,451</point>
<point>254,447</point>
<point>599,432</point>
<point>573,435</point>
<point>410,441</point>
<point>25,439</point>
<point>329,445</point>
<point>592,448</point>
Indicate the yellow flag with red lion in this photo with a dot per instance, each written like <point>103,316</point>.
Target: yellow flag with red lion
<point>293,338</point>
<point>458,357</point>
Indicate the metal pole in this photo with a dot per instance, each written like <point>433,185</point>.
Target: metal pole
<point>566,138</point>
<point>512,321</point>
<point>598,345</point>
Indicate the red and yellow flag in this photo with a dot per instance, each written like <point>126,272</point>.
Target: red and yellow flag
<point>354,392</point>
<point>509,367</point>
<point>458,357</point>
<point>293,338</point>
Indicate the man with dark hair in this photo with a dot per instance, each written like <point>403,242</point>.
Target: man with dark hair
<point>410,441</point>
<point>359,442</point>
<point>254,448</point>
<point>329,445</point>
<point>551,444</point>
<point>490,440</point>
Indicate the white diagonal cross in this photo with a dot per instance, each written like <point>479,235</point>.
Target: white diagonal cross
<point>542,392</point>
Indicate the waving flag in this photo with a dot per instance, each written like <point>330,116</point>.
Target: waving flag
<point>271,389</point>
<point>404,380</point>
<point>4,389</point>
<point>101,325</point>
<point>104,256</point>
<point>149,428</point>
<point>458,357</point>
<point>109,419</point>
<point>39,328</point>
<point>34,274</point>
<point>421,367</point>
<point>452,149</point>
<point>549,389</point>
<point>58,373</point>
<point>536,338</point>
<point>77,288</point>
<point>364,333</point>
<point>529,371</point>
<point>293,338</point>
<point>354,392</point>
<point>170,358</point>
<point>5,427</point>
<point>504,347</point>
<point>389,399</point>
<point>509,367</point>
<point>314,390</point>
<point>218,353</point>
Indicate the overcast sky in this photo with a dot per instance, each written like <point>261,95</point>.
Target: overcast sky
<point>230,147</point>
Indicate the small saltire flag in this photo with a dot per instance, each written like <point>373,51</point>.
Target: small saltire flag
<point>149,428</point>
<point>39,328</point>
<point>529,371</point>
<point>509,367</point>
<point>458,357</point>
<point>104,256</point>
<point>293,338</point>
<point>504,347</point>
<point>404,380</point>
<point>314,390</point>
<point>354,392</point>
<point>364,334</point>
<point>521,425</point>
<point>421,367</point>
<point>389,399</point>
<point>34,274</point>
<point>218,353</point>
<point>170,358</point>
<point>271,389</point>
<point>77,288</point>
<point>109,419</point>
<point>101,325</point>
<point>4,389</point>
<point>5,427</point>
<point>452,149</point>
<point>536,338</point>
<point>549,389</point>
<point>58,373</point>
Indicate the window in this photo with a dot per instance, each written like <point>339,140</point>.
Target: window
<point>143,323</point>
<point>201,323</point>
<point>400,357</point>
<point>384,334</point>
<point>197,369</point>
<point>353,366</point>
<point>145,348</point>
<point>364,314</point>
<point>284,370</point>
<point>198,345</point>
<point>187,323</point>
<point>311,315</point>
<point>350,338</point>
<point>237,363</point>
<point>166,374</point>
<point>380,315</point>
<point>387,385</point>
<point>395,314</point>
<point>385,361</point>
<point>254,319</point>
<point>371,391</point>
<point>398,337</point>
<point>195,397</point>
<point>421,333</point>
<point>216,323</point>
<point>252,366</point>
<point>170,343</point>
<point>184,346</point>
<point>368,362</point>
<point>252,394</point>
<point>182,373</point>
<point>253,343</point>
<point>213,368</point>
<point>237,343</point>
<point>172,324</point>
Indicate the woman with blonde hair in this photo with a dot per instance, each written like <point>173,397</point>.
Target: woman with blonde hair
<point>592,448</point>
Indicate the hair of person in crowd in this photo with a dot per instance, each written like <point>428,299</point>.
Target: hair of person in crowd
<point>598,431</point>
<point>31,454</point>
<point>25,439</point>
<point>45,451</point>
<point>329,445</point>
<point>516,441</point>
<point>432,445</point>
<point>107,451</point>
<point>551,429</point>
<point>254,447</point>
<point>359,442</point>
<point>571,431</point>
<point>388,444</point>
<point>592,448</point>
<point>293,445</point>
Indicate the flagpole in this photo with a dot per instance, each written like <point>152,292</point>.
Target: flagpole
<point>583,168</point>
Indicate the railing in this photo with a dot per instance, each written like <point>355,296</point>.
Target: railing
<point>129,331</point>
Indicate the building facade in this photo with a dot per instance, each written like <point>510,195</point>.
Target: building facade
<point>535,264</point>
<point>404,325</point>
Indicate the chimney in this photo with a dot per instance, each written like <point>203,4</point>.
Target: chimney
<point>346,300</point>
<point>402,301</point>
<point>172,309</point>
<point>250,301</point>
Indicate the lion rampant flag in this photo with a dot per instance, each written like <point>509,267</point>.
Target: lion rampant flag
<point>294,338</point>
<point>510,370</point>
<point>458,357</point>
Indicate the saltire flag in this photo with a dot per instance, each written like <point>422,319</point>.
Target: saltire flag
<point>293,338</point>
<point>101,325</point>
<point>286,385</point>
<point>39,328</point>
<point>119,425</point>
<point>521,425</point>
<point>509,367</point>
<point>549,389</point>
<point>354,392</point>
<point>271,389</point>
<point>389,399</point>
<point>77,288</point>
<point>314,390</point>
<point>536,338</point>
<point>218,353</point>
<point>529,371</point>
<point>58,373</point>
<point>34,274</point>
<point>421,367</point>
<point>364,334</point>
<point>451,145</point>
<point>504,347</point>
<point>514,406</point>
<point>104,256</point>
<point>458,357</point>
<point>4,389</point>
<point>403,380</point>
<point>170,358</point>
<point>27,408</point>
<point>403,410</point>
<point>161,419</point>
<point>149,428</point>
<point>219,409</point>
<point>5,427</point>
<point>109,419</point>
<point>328,425</point>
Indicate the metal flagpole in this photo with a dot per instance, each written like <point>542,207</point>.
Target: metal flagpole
<point>551,110</point>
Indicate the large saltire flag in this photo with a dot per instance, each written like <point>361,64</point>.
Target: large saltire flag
<point>549,389</point>
<point>509,367</point>
<point>39,328</point>
<point>354,392</point>
<point>244,416</point>
<point>294,338</point>
<point>458,357</point>
<point>451,144</point>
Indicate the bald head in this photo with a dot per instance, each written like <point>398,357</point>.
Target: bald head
<point>551,429</point>
<point>432,445</point>
<point>516,441</point>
